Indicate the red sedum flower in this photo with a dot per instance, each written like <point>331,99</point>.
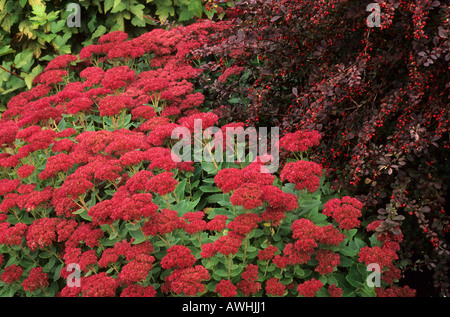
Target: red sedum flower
<point>274,287</point>
<point>300,141</point>
<point>248,195</point>
<point>226,289</point>
<point>309,288</point>
<point>162,183</point>
<point>36,280</point>
<point>11,273</point>
<point>345,211</point>
<point>304,174</point>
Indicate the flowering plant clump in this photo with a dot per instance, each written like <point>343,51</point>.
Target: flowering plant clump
<point>92,202</point>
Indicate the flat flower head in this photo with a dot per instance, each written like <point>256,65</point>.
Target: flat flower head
<point>178,256</point>
<point>11,273</point>
<point>163,222</point>
<point>344,211</point>
<point>112,105</point>
<point>300,141</point>
<point>113,37</point>
<point>229,179</point>
<point>309,288</point>
<point>226,289</point>
<point>118,77</point>
<point>206,120</point>
<point>42,233</point>
<point>8,131</point>
<point>61,61</point>
<point>304,174</point>
<point>248,195</point>
<point>162,183</point>
<point>98,285</point>
<point>244,224</point>
<point>52,76</point>
<point>93,75</point>
<point>274,287</point>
